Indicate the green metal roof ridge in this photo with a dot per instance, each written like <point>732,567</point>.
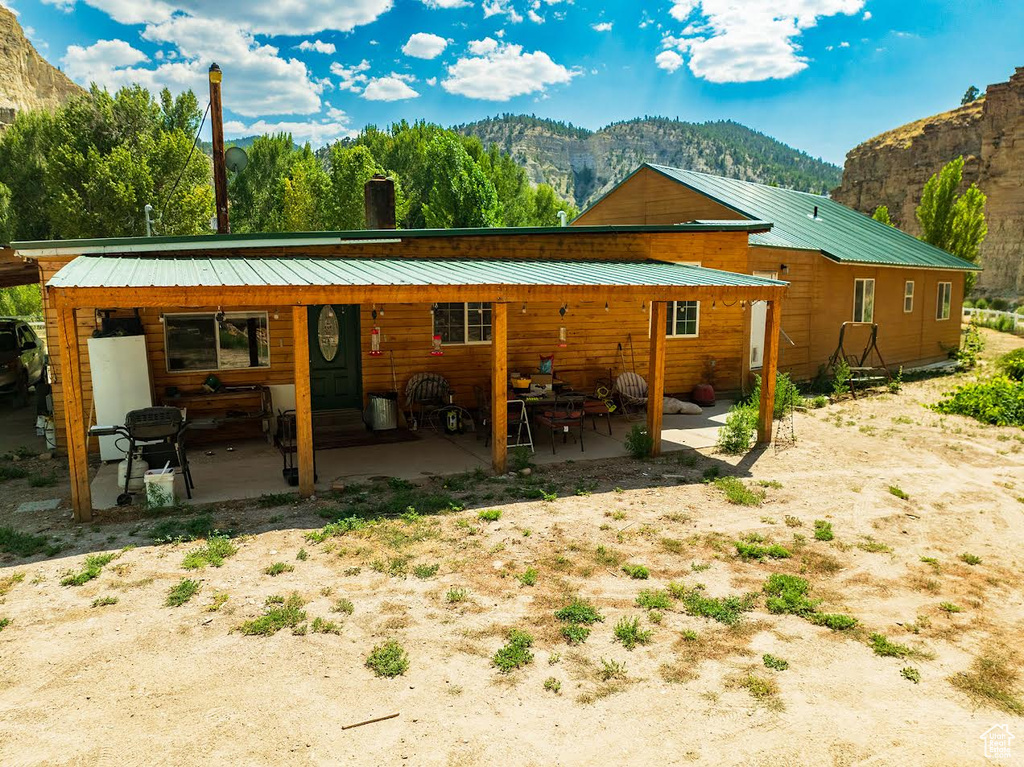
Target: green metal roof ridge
<point>788,232</point>
<point>269,238</point>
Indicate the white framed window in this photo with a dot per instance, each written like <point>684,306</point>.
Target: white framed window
<point>213,341</point>
<point>908,296</point>
<point>467,323</point>
<point>682,319</point>
<point>944,301</point>
<point>864,300</point>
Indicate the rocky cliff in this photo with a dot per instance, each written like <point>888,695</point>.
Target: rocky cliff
<point>581,164</point>
<point>27,80</point>
<point>891,169</point>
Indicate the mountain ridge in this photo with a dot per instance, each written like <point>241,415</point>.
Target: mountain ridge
<point>583,164</point>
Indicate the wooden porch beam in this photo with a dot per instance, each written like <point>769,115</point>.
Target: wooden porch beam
<point>499,388</point>
<point>74,414</point>
<point>303,403</point>
<point>656,374</point>
<point>769,368</point>
<point>315,295</point>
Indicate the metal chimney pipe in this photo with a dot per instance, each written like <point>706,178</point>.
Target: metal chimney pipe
<point>379,201</point>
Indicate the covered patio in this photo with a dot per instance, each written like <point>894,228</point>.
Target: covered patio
<point>253,468</point>
<point>546,268</point>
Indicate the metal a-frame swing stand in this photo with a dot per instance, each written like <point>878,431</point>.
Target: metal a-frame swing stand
<point>860,372</point>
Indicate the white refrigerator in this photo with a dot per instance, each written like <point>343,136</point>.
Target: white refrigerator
<point>120,383</point>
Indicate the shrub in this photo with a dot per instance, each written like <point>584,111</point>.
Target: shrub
<point>628,631</point>
<point>552,685</point>
<point>181,593</point>
<point>971,345</point>
<point>970,559</point>
<point>579,611</point>
<point>639,443</point>
<point>786,395</point>
<point>757,551</point>
<point>823,530</point>
<point>1012,364</point>
<point>654,600</point>
<point>455,595</point>
<point>774,663</point>
<point>841,379</point>
<point>734,438</point>
<point>725,610</point>
<point>388,660</point>
<point>278,568</point>
<point>22,544</point>
<point>834,621</point>
<point>490,515</point>
<point>575,633</point>
<point>343,606</point>
<point>738,493</point>
<point>426,571</point>
<point>279,613</point>
<point>528,577</point>
<point>637,572</point>
<point>885,647</point>
<point>788,594</point>
<point>516,652</point>
<point>998,401</point>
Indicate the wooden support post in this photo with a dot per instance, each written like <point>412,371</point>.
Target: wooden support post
<point>499,388</point>
<point>769,368</point>
<point>656,374</point>
<point>303,402</point>
<point>74,413</point>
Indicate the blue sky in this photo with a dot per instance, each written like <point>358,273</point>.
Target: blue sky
<point>821,75</point>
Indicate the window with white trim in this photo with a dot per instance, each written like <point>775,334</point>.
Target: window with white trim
<point>864,300</point>
<point>682,319</point>
<point>216,341</point>
<point>944,301</point>
<point>468,323</point>
<point>908,296</point>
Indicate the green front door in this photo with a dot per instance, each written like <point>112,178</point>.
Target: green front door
<point>334,358</point>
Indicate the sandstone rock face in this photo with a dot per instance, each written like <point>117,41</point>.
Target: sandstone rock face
<point>891,169</point>
<point>27,80</point>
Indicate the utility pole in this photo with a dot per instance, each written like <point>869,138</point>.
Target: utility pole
<point>220,171</point>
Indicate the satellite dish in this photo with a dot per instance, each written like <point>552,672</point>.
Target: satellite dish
<point>236,159</point>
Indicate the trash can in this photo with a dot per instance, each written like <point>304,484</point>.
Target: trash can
<point>159,488</point>
<point>383,411</point>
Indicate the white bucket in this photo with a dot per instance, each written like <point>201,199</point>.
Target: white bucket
<point>139,469</point>
<point>159,488</point>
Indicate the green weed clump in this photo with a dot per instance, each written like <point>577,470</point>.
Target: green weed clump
<point>528,577</point>
<point>885,647</point>
<point>654,600</point>
<point>639,444</point>
<point>628,631</point>
<point>787,594</point>
<point>104,601</point>
<point>911,674</point>
<point>759,552</point>
<point>426,571</point>
<point>279,613</point>
<point>490,515</point>
<point>970,559</point>
<point>388,660</point>
<point>998,401</point>
<point>992,681</point>
<point>94,564</point>
<point>1012,364</point>
<point>278,568</point>
<point>738,493</point>
<point>726,610</point>
<point>823,530</point>
<point>774,663</point>
<point>552,685</point>
<point>637,572</point>
<point>516,652</point>
<point>578,616</point>
<point>455,595</point>
<point>24,544</point>
<point>217,549</point>
<point>899,492</point>
<point>734,438</point>
<point>180,594</point>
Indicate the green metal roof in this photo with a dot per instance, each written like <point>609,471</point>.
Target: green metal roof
<point>839,232</point>
<point>314,239</point>
<point>186,271</point>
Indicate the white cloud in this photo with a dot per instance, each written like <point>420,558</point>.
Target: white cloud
<point>423,45</point>
<point>604,26</point>
<point>97,62</point>
<point>740,41</point>
<point>670,61</point>
<point>393,87</point>
<point>316,133</point>
<point>431,81</point>
<point>844,44</point>
<point>501,8</point>
<point>500,71</point>
<point>446,3</point>
<point>317,45</point>
<point>267,17</point>
<point>351,78</point>
<point>866,16</point>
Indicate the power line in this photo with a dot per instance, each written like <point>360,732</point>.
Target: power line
<point>188,159</point>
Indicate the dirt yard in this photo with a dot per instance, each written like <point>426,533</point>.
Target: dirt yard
<point>927,526</point>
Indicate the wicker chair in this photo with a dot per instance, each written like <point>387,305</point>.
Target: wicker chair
<point>631,390</point>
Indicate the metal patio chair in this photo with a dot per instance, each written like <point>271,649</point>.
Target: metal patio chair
<point>564,416</point>
<point>426,393</point>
